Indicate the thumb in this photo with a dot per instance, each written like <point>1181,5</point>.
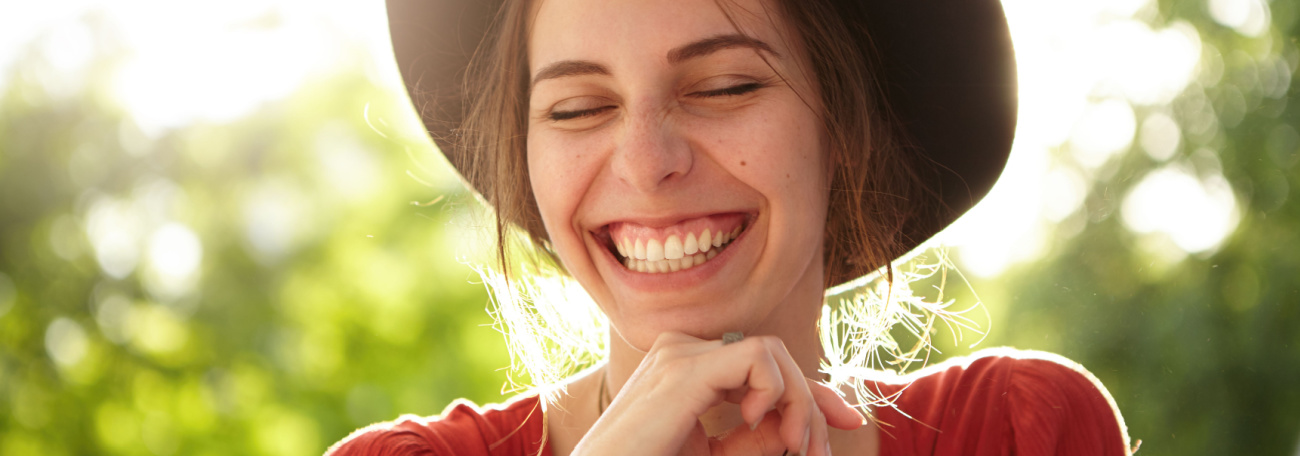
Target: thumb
<point>763,440</point>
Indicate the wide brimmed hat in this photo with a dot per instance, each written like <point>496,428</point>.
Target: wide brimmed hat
<point>948,72</point>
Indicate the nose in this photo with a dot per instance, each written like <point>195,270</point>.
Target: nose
<point>651,151</point>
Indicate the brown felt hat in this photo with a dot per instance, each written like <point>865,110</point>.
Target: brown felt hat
<point>948,67</point>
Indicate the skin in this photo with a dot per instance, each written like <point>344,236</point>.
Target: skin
<point>625,127</point>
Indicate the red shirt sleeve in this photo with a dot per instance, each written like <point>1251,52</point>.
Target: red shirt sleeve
<point>516,428</point>
<point>1002,402</point>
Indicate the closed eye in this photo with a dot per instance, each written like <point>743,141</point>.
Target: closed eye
<point>740,89</point>
<point>569,115</point>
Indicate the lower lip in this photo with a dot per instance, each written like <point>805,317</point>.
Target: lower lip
<point>659,282</point>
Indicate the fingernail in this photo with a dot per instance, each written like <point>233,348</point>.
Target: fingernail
<point>754,425</point>
<point>828,448</point>
<point>803,449</point>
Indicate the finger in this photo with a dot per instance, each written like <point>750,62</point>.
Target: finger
<point>728,370</point>
<point>796,405</point>
<point>839,414</point>
<point>677,382</point>
<point>764,387</point>
<point>764,440</point>
<point>819,444</point>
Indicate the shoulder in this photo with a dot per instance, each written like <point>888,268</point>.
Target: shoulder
<point>463,428</point>
<point>1003,401</point>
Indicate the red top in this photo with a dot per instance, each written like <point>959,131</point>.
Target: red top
<point>997,402</point>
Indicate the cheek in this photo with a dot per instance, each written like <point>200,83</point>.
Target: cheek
<point>559,174</point>
<point>781,156</point>
<point>545,170</point>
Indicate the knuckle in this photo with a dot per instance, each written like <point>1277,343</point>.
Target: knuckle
<point>657,359</point>
<point>755,350</point>
<point>774,342</point>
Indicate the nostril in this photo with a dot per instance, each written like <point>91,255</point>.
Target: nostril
<point>651,154</point>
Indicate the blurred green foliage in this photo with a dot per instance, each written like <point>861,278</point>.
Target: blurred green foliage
<point>324,300</point>
<point>1202,355</point>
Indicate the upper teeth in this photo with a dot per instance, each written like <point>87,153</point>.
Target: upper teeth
<point>674,247</point>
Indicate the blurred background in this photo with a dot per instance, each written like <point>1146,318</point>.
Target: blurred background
<point>223,231</point>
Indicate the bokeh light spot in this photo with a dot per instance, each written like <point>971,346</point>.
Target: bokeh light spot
<point>1160,136</point>
<point>66,238</point>
<point>350,170</point>
<point>65,341</point>
<point>113,228</point>
<point>1197,214</point>
<point>157,331</point>
<point>1247,17</point>
<point>285,432</point>
<point>112,314</point>
<point>174,256</point>
<point>1105,129</point>
<point>276,219</point>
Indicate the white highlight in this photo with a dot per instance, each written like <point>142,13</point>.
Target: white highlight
<point>1006,227</point>
<point>1160,136</point>
<point>113,229</point>
<point>1143,65</point>
<point>352,171</point>
<point>1247,17</point>
<point>1195,213</point>
<point>1065,191</point>
<point>65,342</point>
<point>276,220</point>
<point>1085,69</point>
<point>1104,130</point>
<point>174,256</point>
<point>194,61</point>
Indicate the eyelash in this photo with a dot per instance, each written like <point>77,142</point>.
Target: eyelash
<point>740,89</point>
<point>568,115</point>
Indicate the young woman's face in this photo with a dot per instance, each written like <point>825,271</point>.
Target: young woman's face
<point>682,182</point>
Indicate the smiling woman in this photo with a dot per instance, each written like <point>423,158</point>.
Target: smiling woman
<point>648,151</point>
<point>709,167</point>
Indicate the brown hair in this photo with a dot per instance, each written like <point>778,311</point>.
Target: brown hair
<point>878,183</point>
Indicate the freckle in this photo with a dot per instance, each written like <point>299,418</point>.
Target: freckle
<point>787,176</point>
<point>742,163</point>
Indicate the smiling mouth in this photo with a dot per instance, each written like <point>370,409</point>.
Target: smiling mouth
<point>670,249</point>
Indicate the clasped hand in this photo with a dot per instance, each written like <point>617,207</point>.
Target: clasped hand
<point>657,411</point>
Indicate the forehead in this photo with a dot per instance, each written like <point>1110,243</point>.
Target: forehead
<point>634,30</point>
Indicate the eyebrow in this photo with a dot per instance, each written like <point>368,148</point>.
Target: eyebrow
<point>710,45</point>
<point>677,55</point>
<point>569,68</point>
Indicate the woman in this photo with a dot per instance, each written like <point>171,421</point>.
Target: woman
<point>705,169</point>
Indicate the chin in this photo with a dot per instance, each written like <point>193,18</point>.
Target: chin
<point>640,326</point>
